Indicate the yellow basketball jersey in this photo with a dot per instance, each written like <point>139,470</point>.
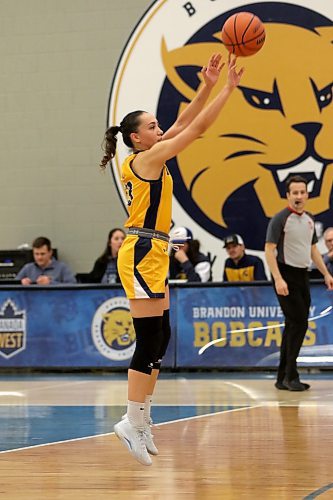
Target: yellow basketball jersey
<point>149,202</point>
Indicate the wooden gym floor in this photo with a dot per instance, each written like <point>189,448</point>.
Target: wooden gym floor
<point>220,436</point>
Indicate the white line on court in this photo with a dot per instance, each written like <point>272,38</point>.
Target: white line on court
<point>111,433</point>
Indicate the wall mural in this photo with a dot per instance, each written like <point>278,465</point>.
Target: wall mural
<point>279,122</point>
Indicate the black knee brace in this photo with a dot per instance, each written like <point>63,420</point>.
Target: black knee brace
<point>149,338</point>
<point>166,338</point>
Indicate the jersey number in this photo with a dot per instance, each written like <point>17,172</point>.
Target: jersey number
<point>129,192</point>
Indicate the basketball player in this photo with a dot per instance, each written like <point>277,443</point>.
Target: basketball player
<point>143,259</point>
<point>290,245</point>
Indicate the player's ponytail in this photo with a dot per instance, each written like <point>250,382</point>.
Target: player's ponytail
<point>109,145</point>
<point>128,125</point>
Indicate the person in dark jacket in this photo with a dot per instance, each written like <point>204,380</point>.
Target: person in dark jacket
<point>105,268</point>
<point>188,262</point>
<point>240,266</point>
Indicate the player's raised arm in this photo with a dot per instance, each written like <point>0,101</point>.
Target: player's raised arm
<point>166,149</point>
<point>210,74</point>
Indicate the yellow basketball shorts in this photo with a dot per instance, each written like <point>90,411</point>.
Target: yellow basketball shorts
<point>143,266</point>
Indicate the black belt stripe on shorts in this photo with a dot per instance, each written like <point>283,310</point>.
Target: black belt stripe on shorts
<point>144,232</point>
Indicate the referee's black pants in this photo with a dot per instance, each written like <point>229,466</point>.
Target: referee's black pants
<point>295,307</point>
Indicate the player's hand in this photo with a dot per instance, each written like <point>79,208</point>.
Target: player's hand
<point>212,71</point>
<point>234,77</point>
<point>281,287</point>
<point>329,281</point>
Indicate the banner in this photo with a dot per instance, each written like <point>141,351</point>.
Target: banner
<point>82,326</point>
<point>249,321</point>
<point>68,327</point>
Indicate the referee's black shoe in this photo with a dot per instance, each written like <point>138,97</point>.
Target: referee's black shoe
<point>281,386</point>
<point>295,385</point>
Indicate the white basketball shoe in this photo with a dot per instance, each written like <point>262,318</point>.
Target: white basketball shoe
<point>151,447</point>
<point>134,439</point>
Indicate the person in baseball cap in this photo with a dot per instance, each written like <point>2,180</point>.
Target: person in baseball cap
<point>239,266</point>
<point>233,239</point>
<point>181,235</point>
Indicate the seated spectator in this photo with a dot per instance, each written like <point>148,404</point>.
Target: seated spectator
<point>45,270</point>
<point>105,268</point>
<point>328,257</point>
<point>188,263</point>
<point>240,266</point>
<point>327,238</point>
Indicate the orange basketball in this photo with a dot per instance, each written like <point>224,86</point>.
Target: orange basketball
<point>243,34</point>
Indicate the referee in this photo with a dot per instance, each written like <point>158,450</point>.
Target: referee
<point>290,246</point>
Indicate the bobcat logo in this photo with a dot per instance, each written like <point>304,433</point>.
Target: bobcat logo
<point>112,329</point>
<point>118,328</point>
<point>279,122</point>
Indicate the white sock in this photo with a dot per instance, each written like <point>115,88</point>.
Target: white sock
<point>136,414</point>
<point>148,403</point>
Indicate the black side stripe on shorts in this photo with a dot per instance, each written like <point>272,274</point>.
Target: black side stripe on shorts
<point>146,288</point>
<point>141,249</point>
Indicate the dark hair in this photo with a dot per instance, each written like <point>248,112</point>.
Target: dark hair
<point>294,178</point>
<point>193,251</point>
<point>128,125</point>
<point>41,241</point>
<point>107,252</point>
